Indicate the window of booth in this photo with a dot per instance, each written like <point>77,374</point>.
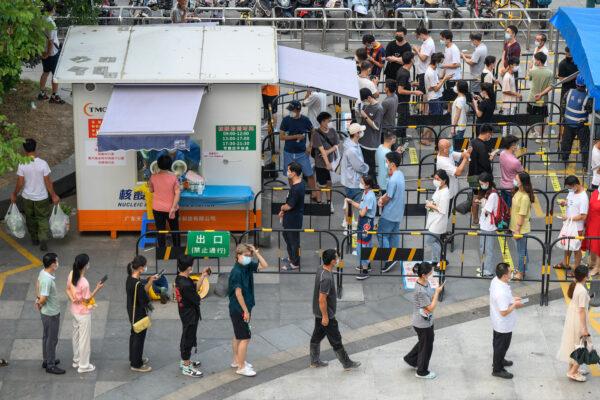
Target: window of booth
<point>184,161</point>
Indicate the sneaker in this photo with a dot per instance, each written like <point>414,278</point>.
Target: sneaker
<point>541,140</point>
<point>363,275</point>
<point>246,371</point>
<point>164,298</point>
<point>55,99</point>
<point>75,364</point>
<point>388,266</point>
<point>246,363</point>
<point>504,374</point>
<point>89,368</point>
<point>332,210</point>
<point>42,96</point>
<point>145,360</point>
<point>56,362</point>
<point>430,375</point>
<point>143,368</point>
<point>55,370</point>
<point>359,268</point>
<point>188,370</point>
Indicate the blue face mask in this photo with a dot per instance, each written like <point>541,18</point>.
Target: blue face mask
<point>450,151</point>
<point>246,260</point>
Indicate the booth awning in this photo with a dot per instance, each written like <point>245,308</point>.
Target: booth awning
<point>150,117</point>
<point>330,74</point>
<point>580,28</point>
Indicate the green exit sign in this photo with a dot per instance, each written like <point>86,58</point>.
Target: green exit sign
<point>208,244</point>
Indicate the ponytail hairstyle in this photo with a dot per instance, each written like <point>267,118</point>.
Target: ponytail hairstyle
<point>422,268</point>
<point>527,187</point>
<point>138,261</point>
<point>81,261</point>
<point>581,273</point>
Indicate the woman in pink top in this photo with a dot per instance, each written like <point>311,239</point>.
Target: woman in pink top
<point>165,202</point>
<point>78,290</point>
<point>510,166</point>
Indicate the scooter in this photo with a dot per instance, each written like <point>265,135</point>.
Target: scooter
<point>360,9</point>
<point>284,9</point>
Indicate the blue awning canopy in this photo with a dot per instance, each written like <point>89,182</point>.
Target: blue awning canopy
<point>150,117</point>
<point>581,29</point>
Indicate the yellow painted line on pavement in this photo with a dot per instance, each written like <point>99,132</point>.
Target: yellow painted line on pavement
<point>34,262</point>
<point>412,153</point>
<point>506,257</point>
<point>557,188</point>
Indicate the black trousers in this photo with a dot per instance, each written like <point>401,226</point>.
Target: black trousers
<point>583,133</point>
<point>369,157</point>
<point>501,344</point>
<point>160,219</point>
<point>420,354</point>
<point>188,340</point>
<point>136,348</point>
<point>332,331</point>
<point>292,241</point>
<point>403,113</point>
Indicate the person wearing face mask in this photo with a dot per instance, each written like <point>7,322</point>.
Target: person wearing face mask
<point>451,65</point>
<point>484,105</point>
<point>394,51</point>
<point>520,216</point>
<point>577,204</point>
<point>424,304</point>
<point>566,68</point>
<point>510,94</point>
<point>459,114</point>
<point>78,291</point>
<point>371,113</point>
<point>434,85</point>
<point>375,53</point>
<point>437,215</point>
<point>49,307</point>
<point>447,160</point>
<point>367,208</point>
<point>488,202</point>
<point>476,60</point>
<point>241,302</point>
<point>137,296</point>
<point>353,165</point>
<point>540,46</point>
<point>291,213</point>
<point>576,114</point>
<point>510,166</point>
<point>423,55</point>
<point>541,84</point>
<point>404,91</point>
<point>511,50</point>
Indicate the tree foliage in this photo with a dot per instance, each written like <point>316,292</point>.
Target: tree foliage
<point>78,12</point>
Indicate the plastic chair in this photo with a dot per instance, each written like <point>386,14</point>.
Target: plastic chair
<point>145,240</point>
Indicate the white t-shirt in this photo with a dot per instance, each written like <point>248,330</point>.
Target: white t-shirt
<point>437,221</point>
<point>427,48</point>
<point>432,79</point>
<point>508,83</point>
<point>459,106</point>
<point>367,83</point>
<point>34,173</point>
<point>488,207</point>
<point>544,50</point>
<point>452,56</point>
<point>500,299</point>
<point>577,203</point>
<point>596,165</point>
<point>52,35</point>
<point>449,165</point>
<point>313,107</point>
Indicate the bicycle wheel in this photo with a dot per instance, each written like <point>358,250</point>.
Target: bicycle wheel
<point>513,15</point>
<point>378,12</point>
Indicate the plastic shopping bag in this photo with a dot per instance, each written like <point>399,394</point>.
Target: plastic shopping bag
<point>15,222</point>
<point>569,230</point>
<point>59,223</point>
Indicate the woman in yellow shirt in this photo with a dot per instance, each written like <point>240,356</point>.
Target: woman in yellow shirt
<point>520,215</point>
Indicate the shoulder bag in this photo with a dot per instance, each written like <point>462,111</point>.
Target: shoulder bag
<point>143,323</point>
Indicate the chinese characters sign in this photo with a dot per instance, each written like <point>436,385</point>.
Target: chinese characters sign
<point>105,158</point>
<point>208,244</point>
<point>236,137</point>
<point>94,127</point>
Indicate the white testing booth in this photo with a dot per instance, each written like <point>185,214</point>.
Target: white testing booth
<point>188,90</point>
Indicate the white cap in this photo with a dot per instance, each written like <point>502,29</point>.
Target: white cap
<point>355,128</point>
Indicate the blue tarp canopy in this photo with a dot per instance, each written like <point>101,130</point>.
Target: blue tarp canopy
<point>581,29</point>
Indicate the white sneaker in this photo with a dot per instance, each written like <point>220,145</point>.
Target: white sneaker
<point>188,370</point>
<point>246,371</point>
<point>75,364</point>
<point>89,368</point>
<point>246,363</point>
<point>431,375</point>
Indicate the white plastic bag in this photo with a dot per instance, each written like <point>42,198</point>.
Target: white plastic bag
<point>15,222</point>
<point>569,229</point>
<point>59,223</point>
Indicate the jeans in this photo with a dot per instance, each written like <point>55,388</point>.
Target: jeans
<point>583,133</point>
<point>489,250</point>
<point>292,241</point>
<point>386,239</point>
<point>136,348</point>
<point>500,343</point>
<point>37,214</point>
<point>82,335</point>
<point>521,254</point>
<point>160,285</point>
<point>50,338</point>
<point>433,242</point>
<point>420,354</point>
<point>332,331</point>
<point>160,219</point>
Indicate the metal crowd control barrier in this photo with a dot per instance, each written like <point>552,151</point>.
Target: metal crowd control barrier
<point>547,161</point>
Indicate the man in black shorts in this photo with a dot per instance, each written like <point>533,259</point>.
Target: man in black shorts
<point>50,58</point>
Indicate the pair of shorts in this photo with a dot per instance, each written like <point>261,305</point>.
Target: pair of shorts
<point>301,158</point>
<point>449,94</point>
<point>270,100</point>
<point>49,63</point>
<point>537,110</point>
<point>323,176</point>
<point>241,329</point>
<point>436,107</point>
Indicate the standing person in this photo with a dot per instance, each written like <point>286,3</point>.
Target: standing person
<point>360,55</point>
<point>520,216</point>
<point>576,322</point>
<point>566,68</point>
<point>312,102</point>
<point>503,314</point>
<point>33,179</point>
<point>179,12</point>
<point>165,200</point>
<point>188,304</point>
<point>576,112</point>
<point>459,114</point>
<point>487,75</point>
<point>291,214</point>
<point>367,208</point>
<point>447,160</point>
<point>488,202</point>
<point>450,67</point>
<point>49,307</point>
<point>295,131</point>
<point>50,57</point>
<point>481,161</point>
<point>353,165</point>
<point>241,303</point>
<point>375,53</point>
<point>438,210</point>
<point>138,304</point>
<point>577,204</point>
<point>592,228</point>
<point>540,46</point>
<point>484,105</point>
<point>324,307</point>
<point>392,203</point>
<point>78,291</point>
<point>372,117</point>
<point>390,107</point>
<point>425,302</point>
<point>511,50</point>
<point>510,166</point>
<point>476,60</point>
<point>364,79</point>
<point>394,51</point>
<point>423,55</point>
<point>405,90</point>
<point>325,143</point>
<point>541,83</point>
<point>269,97</point>
<point>510,95</point>
<point>382,170</point>
<point>434,86</point>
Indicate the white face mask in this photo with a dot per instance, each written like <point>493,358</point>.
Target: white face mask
<point>484,186</point>
<point>537,44</point>
<point>442,42</point>
<point>246,260</point>
<point>361,134</point>
<point>360,185</point>
<point>507,36</point>
<point>515,183</point>
<point>437,183</point>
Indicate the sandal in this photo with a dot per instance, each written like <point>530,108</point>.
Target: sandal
<point>517,277</point>
<point>3,362</point>
<point>560,265</point>
<point>577,378</point>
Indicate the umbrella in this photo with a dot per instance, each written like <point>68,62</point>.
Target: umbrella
<point>584,353</point>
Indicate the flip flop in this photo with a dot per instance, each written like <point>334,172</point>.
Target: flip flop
<point>577,378</point>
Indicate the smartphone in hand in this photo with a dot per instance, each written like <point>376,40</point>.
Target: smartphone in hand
<point>525,300</point>
<point>162,272</point>
<point>104,278</point>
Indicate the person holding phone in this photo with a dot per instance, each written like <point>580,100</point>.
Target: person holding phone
<point>78,291</point>
<point>504,318</point>
<point>425,302</point>
<point>241,302</point>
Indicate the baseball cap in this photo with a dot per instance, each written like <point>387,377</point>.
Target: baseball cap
<point>294,105</point>
<point>355,128</point>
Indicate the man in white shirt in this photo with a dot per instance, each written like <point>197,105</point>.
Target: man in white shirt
<point>451,66</point>
<point>423,55</point>
<point>33,179</point>
<point>577,204</point>
<point>312,102</point>
<point>504,318</point>
<point>364,78</point>
<point>540,47</point>
<point>447,162</point>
